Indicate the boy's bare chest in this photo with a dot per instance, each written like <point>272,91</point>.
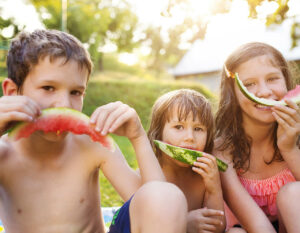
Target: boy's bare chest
<point>51,193</point>
<point>194,190</point>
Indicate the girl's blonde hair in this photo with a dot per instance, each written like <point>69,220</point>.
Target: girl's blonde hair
<point>229,115</point>
<point>186,101</point>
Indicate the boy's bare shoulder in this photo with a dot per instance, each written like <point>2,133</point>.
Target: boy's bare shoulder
<point>4,147</point>
<point>93,150</point>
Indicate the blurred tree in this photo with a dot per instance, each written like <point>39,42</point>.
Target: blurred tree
<point>94,22</point>
<point>278,16</point>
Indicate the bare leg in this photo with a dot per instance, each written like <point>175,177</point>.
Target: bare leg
<point>289,206</point>
<point>236,230</point>
<point>158,207</point>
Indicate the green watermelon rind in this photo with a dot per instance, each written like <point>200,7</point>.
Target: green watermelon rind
<point>262,101</point>
<point>184,155</point>
<point>48,112</point>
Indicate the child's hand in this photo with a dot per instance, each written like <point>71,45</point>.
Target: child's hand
<point>202,220</point>
<point>16,108</point>
<point>288,118</point>
<point>206,166</point>
<point>117,118</point>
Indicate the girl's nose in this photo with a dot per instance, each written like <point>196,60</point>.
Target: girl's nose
<point>189,134</point>
<point>263,91</point>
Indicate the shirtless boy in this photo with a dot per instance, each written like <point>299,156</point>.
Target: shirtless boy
<point>49,182</point>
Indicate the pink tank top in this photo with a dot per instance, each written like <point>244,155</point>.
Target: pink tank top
<point>263,192</point>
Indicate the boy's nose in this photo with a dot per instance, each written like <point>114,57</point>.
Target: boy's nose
<point>189,134</point>
<point>63,101</point>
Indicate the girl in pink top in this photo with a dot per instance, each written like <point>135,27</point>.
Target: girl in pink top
<point>258,142</point>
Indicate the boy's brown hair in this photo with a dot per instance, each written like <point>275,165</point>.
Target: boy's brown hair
<point>229,120</point>
<point>188,101</point>
<point>27,49</point>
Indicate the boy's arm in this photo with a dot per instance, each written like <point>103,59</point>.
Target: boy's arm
<point>207,167</point>
<point>249,214</point>
<point>122,120</point>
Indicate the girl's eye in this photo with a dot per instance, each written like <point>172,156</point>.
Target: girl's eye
<point>77,93</point>
<point>250,84</point>
<point>48,88</point>
<point>178,127</point>
<point>272,79</point>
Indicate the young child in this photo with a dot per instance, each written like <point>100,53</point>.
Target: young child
<point>258,142</point>
<point>184,118</point>
<point>49,182</point>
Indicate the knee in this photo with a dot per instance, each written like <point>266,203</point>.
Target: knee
<point>157,194</point>
<point>288,193</point>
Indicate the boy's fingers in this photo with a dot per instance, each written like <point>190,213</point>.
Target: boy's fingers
<point>212,212</point>
<point>118,114</point>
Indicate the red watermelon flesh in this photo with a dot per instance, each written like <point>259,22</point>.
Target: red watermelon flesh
<point>60,120</point>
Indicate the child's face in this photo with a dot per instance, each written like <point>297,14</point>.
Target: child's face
<point>186,133</point>
<point>55,84</point>
<point>264,80</point>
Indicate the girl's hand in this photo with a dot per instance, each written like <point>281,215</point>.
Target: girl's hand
<point>117,118</point>
<point>202,220</point>
<point>288,118</point>
<point>206,166</point>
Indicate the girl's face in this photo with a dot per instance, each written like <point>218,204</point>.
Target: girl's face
<point>264,80</point>
<point>186,133</point>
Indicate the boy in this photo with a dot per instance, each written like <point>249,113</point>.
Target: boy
<point>49,182</point>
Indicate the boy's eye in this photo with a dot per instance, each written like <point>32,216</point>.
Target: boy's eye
<point>178,127</point>
<point>77,93</point>
<point>48,88</point>
<point>199,129</point>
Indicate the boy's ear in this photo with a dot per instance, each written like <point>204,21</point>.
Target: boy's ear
<point>9,87</point>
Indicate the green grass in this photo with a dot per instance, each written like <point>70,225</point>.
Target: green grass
<point>137,93</point>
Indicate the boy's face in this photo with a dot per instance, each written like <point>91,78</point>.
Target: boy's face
<point>55,84</point>
<point>188,133</point>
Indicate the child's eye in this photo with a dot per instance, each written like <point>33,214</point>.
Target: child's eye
<point>249,84</point>
<point>178,127</point>
<point>272,79</point>
<point>199,129</point>
<point>77,93</point>
<point>48,88</point>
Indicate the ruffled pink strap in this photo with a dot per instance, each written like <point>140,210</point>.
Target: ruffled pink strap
<point>264,193</point>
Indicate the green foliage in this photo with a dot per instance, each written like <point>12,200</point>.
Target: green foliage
<point>93,22</point>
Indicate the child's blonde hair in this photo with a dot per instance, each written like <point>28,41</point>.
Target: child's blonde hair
<point>186,101</point>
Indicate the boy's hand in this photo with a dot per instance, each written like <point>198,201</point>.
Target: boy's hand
<point>206,166</point>
<point>202,220</point>
<point>288,118</point>
<point>117,118</point>
<point>16,108</point>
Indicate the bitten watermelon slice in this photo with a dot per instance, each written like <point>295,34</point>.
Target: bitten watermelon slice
<point>59,120</point>
<point>185,155</point>
<point>293,95</point>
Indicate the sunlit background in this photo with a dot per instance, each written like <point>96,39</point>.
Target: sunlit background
<point>175,38</point>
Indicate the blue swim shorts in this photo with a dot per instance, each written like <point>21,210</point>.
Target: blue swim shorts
<point>121,220</point>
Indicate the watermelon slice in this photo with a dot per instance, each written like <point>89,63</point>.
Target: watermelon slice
<point>184,155</point>
<point>59,120</point>
<point>293,95</point>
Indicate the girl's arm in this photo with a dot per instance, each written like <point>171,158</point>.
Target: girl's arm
<point>288,133</point>
<point>249,214</point>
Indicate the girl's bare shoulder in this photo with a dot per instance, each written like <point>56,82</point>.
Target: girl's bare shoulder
<point>219,152</point>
